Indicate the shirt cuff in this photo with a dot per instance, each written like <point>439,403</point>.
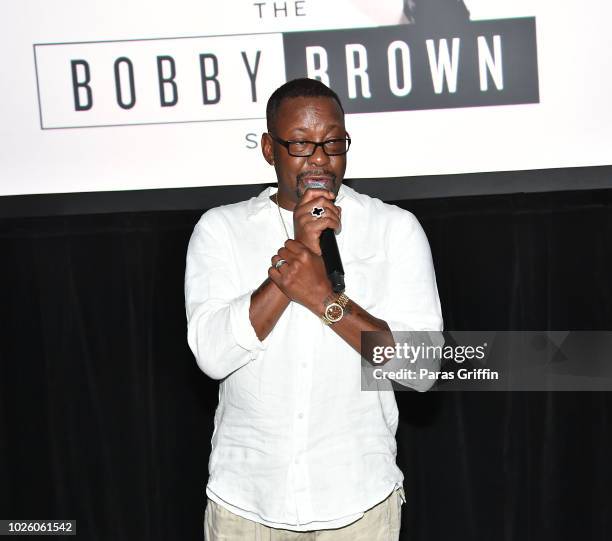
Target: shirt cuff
<point>241,327</point>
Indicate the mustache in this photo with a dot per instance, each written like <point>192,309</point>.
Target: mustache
<point>316,173</point>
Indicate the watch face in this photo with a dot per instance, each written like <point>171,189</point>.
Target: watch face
<point>334,312</point>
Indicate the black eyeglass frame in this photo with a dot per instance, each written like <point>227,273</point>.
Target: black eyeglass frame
<point>321,144</point>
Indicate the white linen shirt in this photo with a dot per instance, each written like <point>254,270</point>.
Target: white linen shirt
<point>296,443</point>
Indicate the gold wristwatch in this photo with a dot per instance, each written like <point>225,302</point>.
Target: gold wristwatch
<point>334,311</point>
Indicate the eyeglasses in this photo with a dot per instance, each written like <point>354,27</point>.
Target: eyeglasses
<point>303,149</point>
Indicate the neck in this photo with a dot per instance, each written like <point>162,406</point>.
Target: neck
<point>280,201</point>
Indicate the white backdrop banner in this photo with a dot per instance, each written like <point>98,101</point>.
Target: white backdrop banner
<point>111,95</point>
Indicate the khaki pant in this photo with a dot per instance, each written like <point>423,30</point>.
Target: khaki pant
<point>380,523</point>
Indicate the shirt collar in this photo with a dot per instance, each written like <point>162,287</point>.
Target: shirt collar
<point>261,203</point>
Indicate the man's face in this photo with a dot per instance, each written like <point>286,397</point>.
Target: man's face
<point>305,119</point>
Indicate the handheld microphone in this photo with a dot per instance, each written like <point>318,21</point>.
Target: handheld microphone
<point>330,253</point>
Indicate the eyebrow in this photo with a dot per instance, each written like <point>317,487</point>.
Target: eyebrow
<point>331,128</point>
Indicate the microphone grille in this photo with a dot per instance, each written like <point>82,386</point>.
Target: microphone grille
<point>316,185</point>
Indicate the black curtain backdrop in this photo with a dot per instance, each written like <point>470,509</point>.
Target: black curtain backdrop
<point>106,419</point>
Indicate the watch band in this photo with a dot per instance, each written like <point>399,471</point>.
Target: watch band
<point>334,311</point>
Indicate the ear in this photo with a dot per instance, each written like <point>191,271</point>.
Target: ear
<point>267,148</point>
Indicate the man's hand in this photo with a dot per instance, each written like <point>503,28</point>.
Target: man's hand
<point>307,228</point>
<point>303,277</point>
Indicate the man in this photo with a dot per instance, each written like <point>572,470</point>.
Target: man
<point>297,447</point>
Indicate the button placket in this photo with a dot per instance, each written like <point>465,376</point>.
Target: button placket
<point>303,386</point>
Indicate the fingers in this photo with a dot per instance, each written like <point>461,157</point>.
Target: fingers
<point>316,198</point>
<point>275,260</point>
<point>291,249</point>
<point>288,253</point>
<point>306,208</point>
<point>315,193</point>
<point>313,225</point>
<point>330,217</point>
<point>276,273</point>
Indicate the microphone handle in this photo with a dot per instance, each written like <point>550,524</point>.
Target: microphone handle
<point>331,258</point>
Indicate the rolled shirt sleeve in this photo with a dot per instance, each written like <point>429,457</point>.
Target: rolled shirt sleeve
<point>219,330</point>
<point>414,304</point>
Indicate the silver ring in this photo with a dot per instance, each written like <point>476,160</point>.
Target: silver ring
<point>279,264</point>
<point>317,212</point>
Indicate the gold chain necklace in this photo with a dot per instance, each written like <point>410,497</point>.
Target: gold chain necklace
<point>280,214</point>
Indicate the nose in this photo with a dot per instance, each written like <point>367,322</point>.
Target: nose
<point>319,157</point>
